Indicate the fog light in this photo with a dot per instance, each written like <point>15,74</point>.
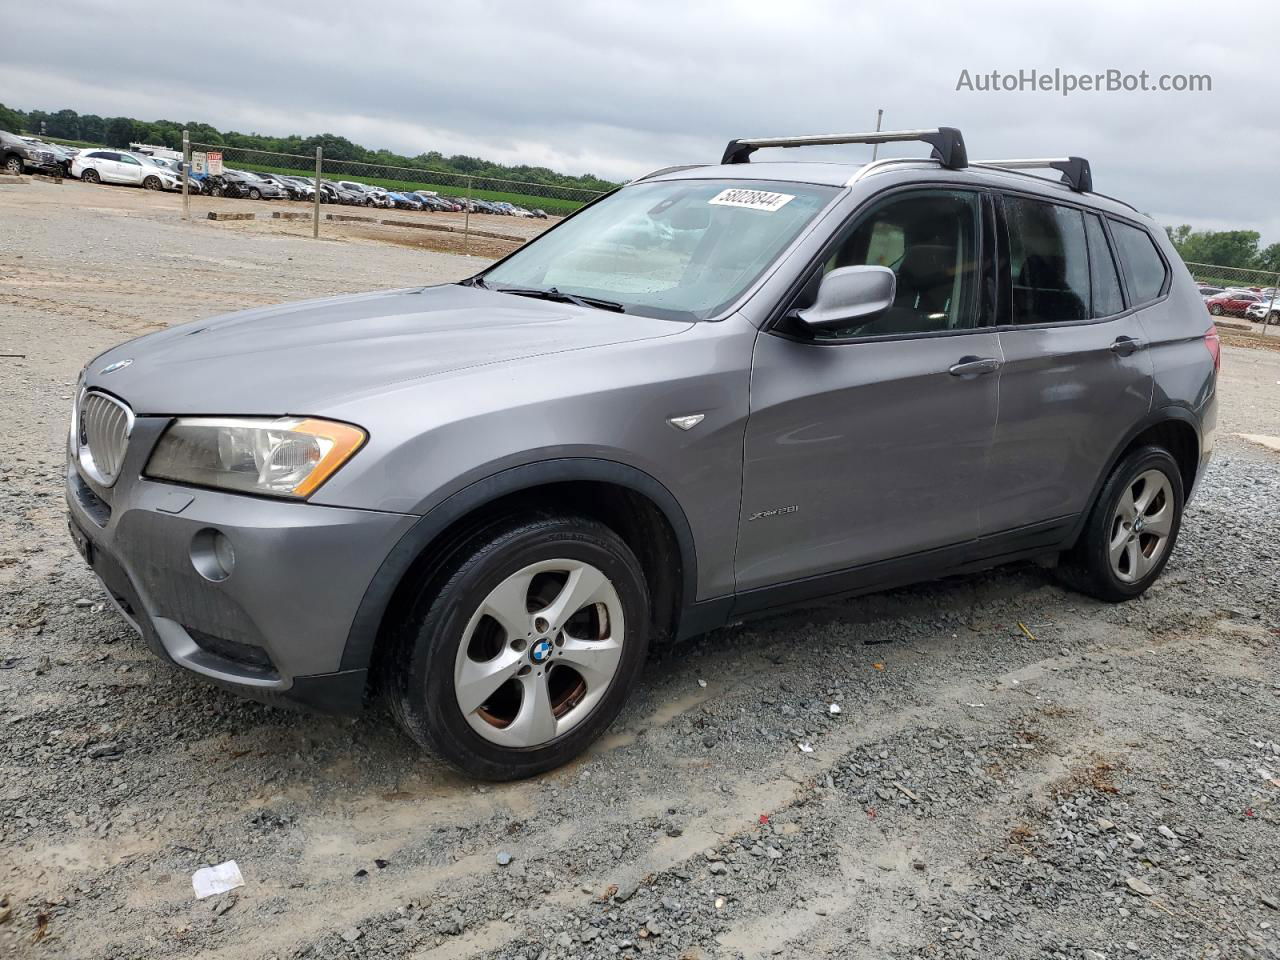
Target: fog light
<point>212,555</point>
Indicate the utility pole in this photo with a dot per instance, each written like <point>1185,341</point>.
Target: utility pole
<point>186,175</point>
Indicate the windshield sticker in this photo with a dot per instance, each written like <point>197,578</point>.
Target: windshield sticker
<point>752,199</point>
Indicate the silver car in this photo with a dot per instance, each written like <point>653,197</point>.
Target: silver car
<point>715,392</point>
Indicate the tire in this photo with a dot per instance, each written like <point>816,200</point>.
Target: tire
<point>13,166</point>
<point>90,176</point>
<point>1216,309</point>
<point>216,191</point>
<point>151,183</point>
<point>255,194</point>
<point>528,723</point>
<point>1147,479</point>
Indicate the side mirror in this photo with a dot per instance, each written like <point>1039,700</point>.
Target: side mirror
<point>850,293</point>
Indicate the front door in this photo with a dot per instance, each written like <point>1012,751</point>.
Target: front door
<point>871,442</point>
<point>1077,375</point>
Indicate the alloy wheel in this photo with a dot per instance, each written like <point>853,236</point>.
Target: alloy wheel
<point>539,653</point>
<point>1140,526</point>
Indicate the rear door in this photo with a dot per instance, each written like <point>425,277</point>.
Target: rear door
<point>870,443</point>
<point>1077,374</point>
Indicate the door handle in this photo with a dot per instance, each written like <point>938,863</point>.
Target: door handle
<point>1124,346</point>
<point>974,366</point>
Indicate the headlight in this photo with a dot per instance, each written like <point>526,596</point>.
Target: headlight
<point>290,457</point>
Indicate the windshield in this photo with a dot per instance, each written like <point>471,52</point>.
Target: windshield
<point>680,249</point>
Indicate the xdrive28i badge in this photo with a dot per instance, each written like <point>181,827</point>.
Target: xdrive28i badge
<point>113,367</point>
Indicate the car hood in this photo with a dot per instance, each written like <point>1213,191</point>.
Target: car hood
<point>300,358</point>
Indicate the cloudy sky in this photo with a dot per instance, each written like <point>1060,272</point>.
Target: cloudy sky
<point>620,87</point>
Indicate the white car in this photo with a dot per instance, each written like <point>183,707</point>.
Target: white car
<point>116,166</point>
<point>1268,311</point>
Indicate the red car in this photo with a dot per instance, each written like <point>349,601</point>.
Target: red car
<point>1232,302</point>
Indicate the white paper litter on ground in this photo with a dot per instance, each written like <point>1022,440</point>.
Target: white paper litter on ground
<point>208,881</point>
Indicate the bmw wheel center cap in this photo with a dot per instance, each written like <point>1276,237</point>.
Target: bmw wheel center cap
<point>541,651</point>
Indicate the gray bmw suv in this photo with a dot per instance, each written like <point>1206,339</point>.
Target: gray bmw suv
<point>716,391</point>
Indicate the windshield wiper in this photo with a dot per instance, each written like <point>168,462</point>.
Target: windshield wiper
<point>560,297</point>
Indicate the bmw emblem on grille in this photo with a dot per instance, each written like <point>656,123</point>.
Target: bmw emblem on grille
<point>541,651</point>
<point>113,367</point>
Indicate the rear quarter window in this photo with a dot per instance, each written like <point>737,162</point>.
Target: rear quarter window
<point>1144,268</point>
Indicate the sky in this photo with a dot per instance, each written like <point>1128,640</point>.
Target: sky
<point>623,87</point>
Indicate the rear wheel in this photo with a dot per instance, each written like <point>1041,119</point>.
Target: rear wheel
<point>90,176</point>
<point>523,648</point>
<point>1131,530</point>
<point>1216,309</point>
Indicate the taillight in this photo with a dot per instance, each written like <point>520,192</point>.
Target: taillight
<point>1214,343</point>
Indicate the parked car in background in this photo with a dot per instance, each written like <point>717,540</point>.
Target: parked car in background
<point>18,155</point>
<point>406,201</point>
<point>292,190</point>
<point>117,166</point>
<point>62,155</point>
<point>242,184</point>
<point>1207,291</point>
<point>1232,303</point>
<point>306,188</point>
<point>194,181</point>
<point>539,213</point>
<point>1264,311</point>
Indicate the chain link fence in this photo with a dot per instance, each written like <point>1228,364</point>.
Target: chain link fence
<point>469,204</point>
<point>1261,290</point>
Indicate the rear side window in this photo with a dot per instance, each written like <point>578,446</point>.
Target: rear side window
<point>1143,267</point>
<point>1107,299</point>
<point>1048,261</point>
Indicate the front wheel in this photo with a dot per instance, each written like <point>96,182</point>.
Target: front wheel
<point>523,648</point>
<point>1131,530</point>
<point>151,183</point>
<point>255,194</point>
<point>90,176</point>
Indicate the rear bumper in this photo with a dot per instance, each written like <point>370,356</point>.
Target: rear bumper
<point>276,628</point>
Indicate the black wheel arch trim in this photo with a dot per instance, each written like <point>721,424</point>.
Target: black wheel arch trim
<point>1169,413</point>
<point>365,627</point>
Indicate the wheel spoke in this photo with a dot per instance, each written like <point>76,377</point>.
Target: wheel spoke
<point>535,723</point>
<point>477,682</point>
<point>508,605</point>
<point>584,585</point>
<point>1125,509</point>
<point>1137,561</point>
<point>595,660</point>
<point>1118,544</point>
<point>1161,522</point>
<point>1152,484</point>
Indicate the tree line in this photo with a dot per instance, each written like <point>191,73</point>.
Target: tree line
<point>122,131</point>
<point>1225,248</point>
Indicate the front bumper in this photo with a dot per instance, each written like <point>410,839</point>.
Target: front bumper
<point>276,627</point>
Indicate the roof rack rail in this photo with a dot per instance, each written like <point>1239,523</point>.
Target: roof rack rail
<point>1075,171</point>
<point>947,143</point>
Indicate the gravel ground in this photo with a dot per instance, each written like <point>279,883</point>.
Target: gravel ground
<point>986,766</point>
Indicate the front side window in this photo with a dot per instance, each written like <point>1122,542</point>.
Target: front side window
<point>677,249</point>
<point>929,239</point>
<point>1048,262</point>
<point>1144,269</point>
<point>1107,299</point>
